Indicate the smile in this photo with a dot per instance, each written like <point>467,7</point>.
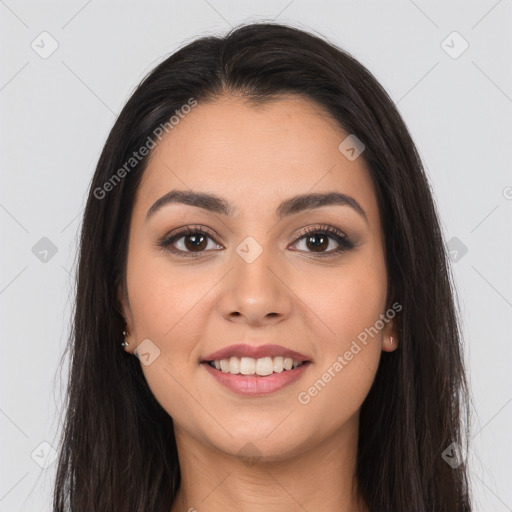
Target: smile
<point>249,366</point>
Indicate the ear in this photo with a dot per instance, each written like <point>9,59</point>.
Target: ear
<point>390,339</point>
<point>126,312</point>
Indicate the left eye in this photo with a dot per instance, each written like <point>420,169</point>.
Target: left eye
<point>317,242</point>
<point>321,239</point>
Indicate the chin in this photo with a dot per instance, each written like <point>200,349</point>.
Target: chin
<point>266,441</point>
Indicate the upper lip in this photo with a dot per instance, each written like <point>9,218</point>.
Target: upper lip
<point>256,352</point>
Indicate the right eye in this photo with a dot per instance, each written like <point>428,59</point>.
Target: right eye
<point>193,241</point>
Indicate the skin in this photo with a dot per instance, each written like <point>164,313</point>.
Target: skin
<point>256,157</point>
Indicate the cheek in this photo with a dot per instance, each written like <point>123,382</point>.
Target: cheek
<point>355,304</point>
<point>349,299</point>
<point>163,296</point>
<point>167,304</point>
<point>349,339</point>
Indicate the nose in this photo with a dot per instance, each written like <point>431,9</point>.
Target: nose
<point>255,293</point>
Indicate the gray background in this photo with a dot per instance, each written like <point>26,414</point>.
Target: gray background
<point>56,113</point>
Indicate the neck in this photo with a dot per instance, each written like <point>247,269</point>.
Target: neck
<point>218,482</point>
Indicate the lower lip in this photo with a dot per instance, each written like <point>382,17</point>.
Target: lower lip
<point>253,385</point>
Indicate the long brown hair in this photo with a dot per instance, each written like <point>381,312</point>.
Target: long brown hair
<point>118,451</point>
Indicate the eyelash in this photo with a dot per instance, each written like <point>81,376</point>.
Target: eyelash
<point>344,242</point>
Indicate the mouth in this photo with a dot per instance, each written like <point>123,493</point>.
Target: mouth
<point>255,360</point>
<point>252,367</point>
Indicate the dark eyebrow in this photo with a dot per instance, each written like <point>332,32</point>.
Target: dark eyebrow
<point>288,207</point>
<point>309,201</point>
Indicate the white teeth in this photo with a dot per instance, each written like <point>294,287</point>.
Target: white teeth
<point>264,366</point>
<point>234,365</point>
<point>247,366</point>
<point>278,364</point>
<point>250,366</point>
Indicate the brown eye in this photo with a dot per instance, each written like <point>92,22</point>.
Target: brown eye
<point>317,242</point>
<point>318,239</point>
<point>195,242</point>
<point>189,241</point>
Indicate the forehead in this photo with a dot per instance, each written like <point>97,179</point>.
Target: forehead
<point>255,155</point>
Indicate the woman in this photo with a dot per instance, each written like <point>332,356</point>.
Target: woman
<point>264,314</point>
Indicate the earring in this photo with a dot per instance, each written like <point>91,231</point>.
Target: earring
<point>124,343</point>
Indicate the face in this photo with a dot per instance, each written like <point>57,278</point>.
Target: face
<point>258,269</point>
